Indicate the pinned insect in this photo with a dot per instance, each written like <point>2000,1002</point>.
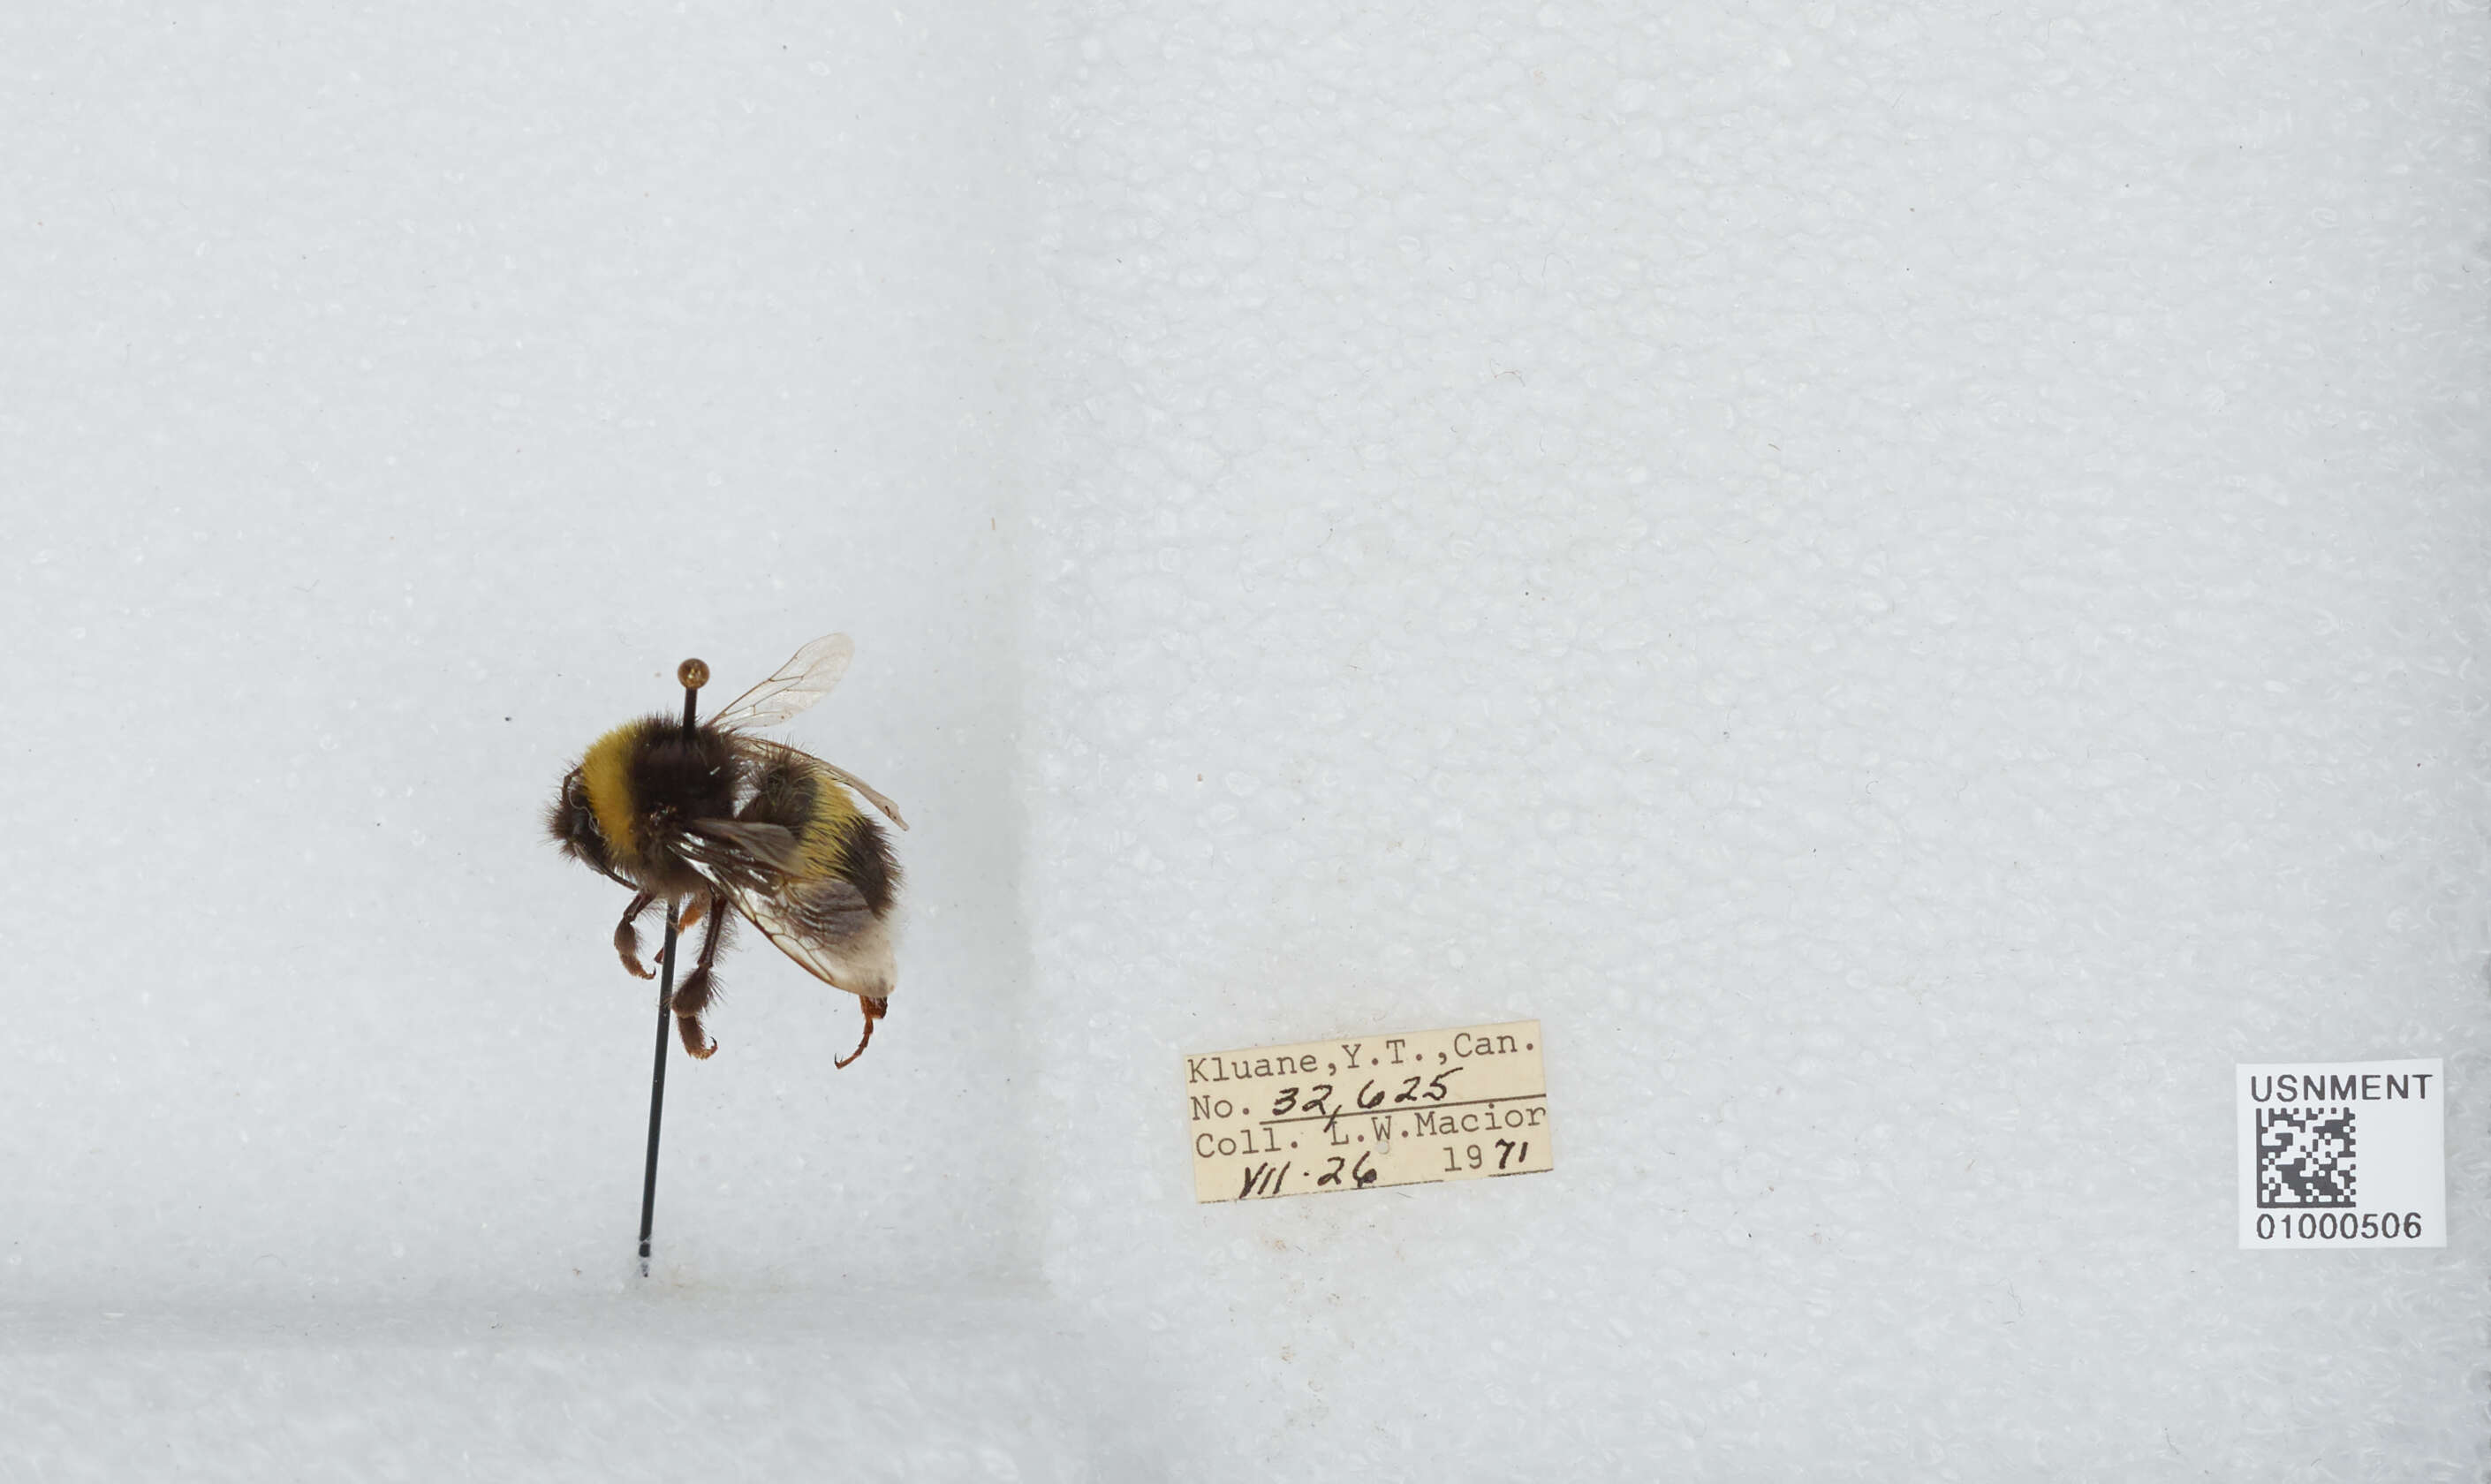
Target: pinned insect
<point>715,821</point>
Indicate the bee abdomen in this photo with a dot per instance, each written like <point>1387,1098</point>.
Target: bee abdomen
<point>866,862</point>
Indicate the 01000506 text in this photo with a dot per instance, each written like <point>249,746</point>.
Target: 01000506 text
<point>2339,1226</point>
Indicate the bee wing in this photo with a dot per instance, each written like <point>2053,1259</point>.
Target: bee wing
<point>826,926</point>
<point>840,776</point>
<point>716,842</point>
<point>803,681</point>
<point>822,922</point>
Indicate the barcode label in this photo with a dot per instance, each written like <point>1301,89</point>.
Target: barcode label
<point>2343,1154</point>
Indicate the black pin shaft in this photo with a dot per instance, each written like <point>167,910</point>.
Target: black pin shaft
<point>657,1090</point>
<point>694,675</point>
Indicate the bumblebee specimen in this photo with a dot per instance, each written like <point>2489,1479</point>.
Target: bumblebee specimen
<point>715,821</point>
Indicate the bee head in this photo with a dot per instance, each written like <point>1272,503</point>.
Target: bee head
<point>571,821</point>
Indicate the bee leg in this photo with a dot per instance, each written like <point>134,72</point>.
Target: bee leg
<point>692,994</point>
<point>873,1011</point>
<point>626,937</point>
<point>684,924</point>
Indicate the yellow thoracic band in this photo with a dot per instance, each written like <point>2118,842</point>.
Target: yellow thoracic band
<point>605,772</point>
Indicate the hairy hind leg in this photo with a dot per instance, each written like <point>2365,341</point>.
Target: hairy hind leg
<point>684,924</point>
<point>692,994</point>
<point>873,1011</point>
<point>627,935</point>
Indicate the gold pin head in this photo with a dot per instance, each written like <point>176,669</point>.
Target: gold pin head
<point>693,673</point>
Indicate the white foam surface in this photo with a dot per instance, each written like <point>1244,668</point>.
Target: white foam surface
<point>1909,586</point>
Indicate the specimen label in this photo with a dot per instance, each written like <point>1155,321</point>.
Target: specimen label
<point>1366,1112</point>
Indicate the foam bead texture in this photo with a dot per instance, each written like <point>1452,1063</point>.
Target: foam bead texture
<point>1910,586</point>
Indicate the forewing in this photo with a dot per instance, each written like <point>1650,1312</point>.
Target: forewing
<point>800,684</point>
<point>821,922</point>
<point>839,776</point>
<point>720,841</point>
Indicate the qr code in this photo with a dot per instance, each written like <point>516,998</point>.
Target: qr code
<point>2305,1157</point>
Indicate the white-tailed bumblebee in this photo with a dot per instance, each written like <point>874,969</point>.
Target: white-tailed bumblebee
<point>709,818</point>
